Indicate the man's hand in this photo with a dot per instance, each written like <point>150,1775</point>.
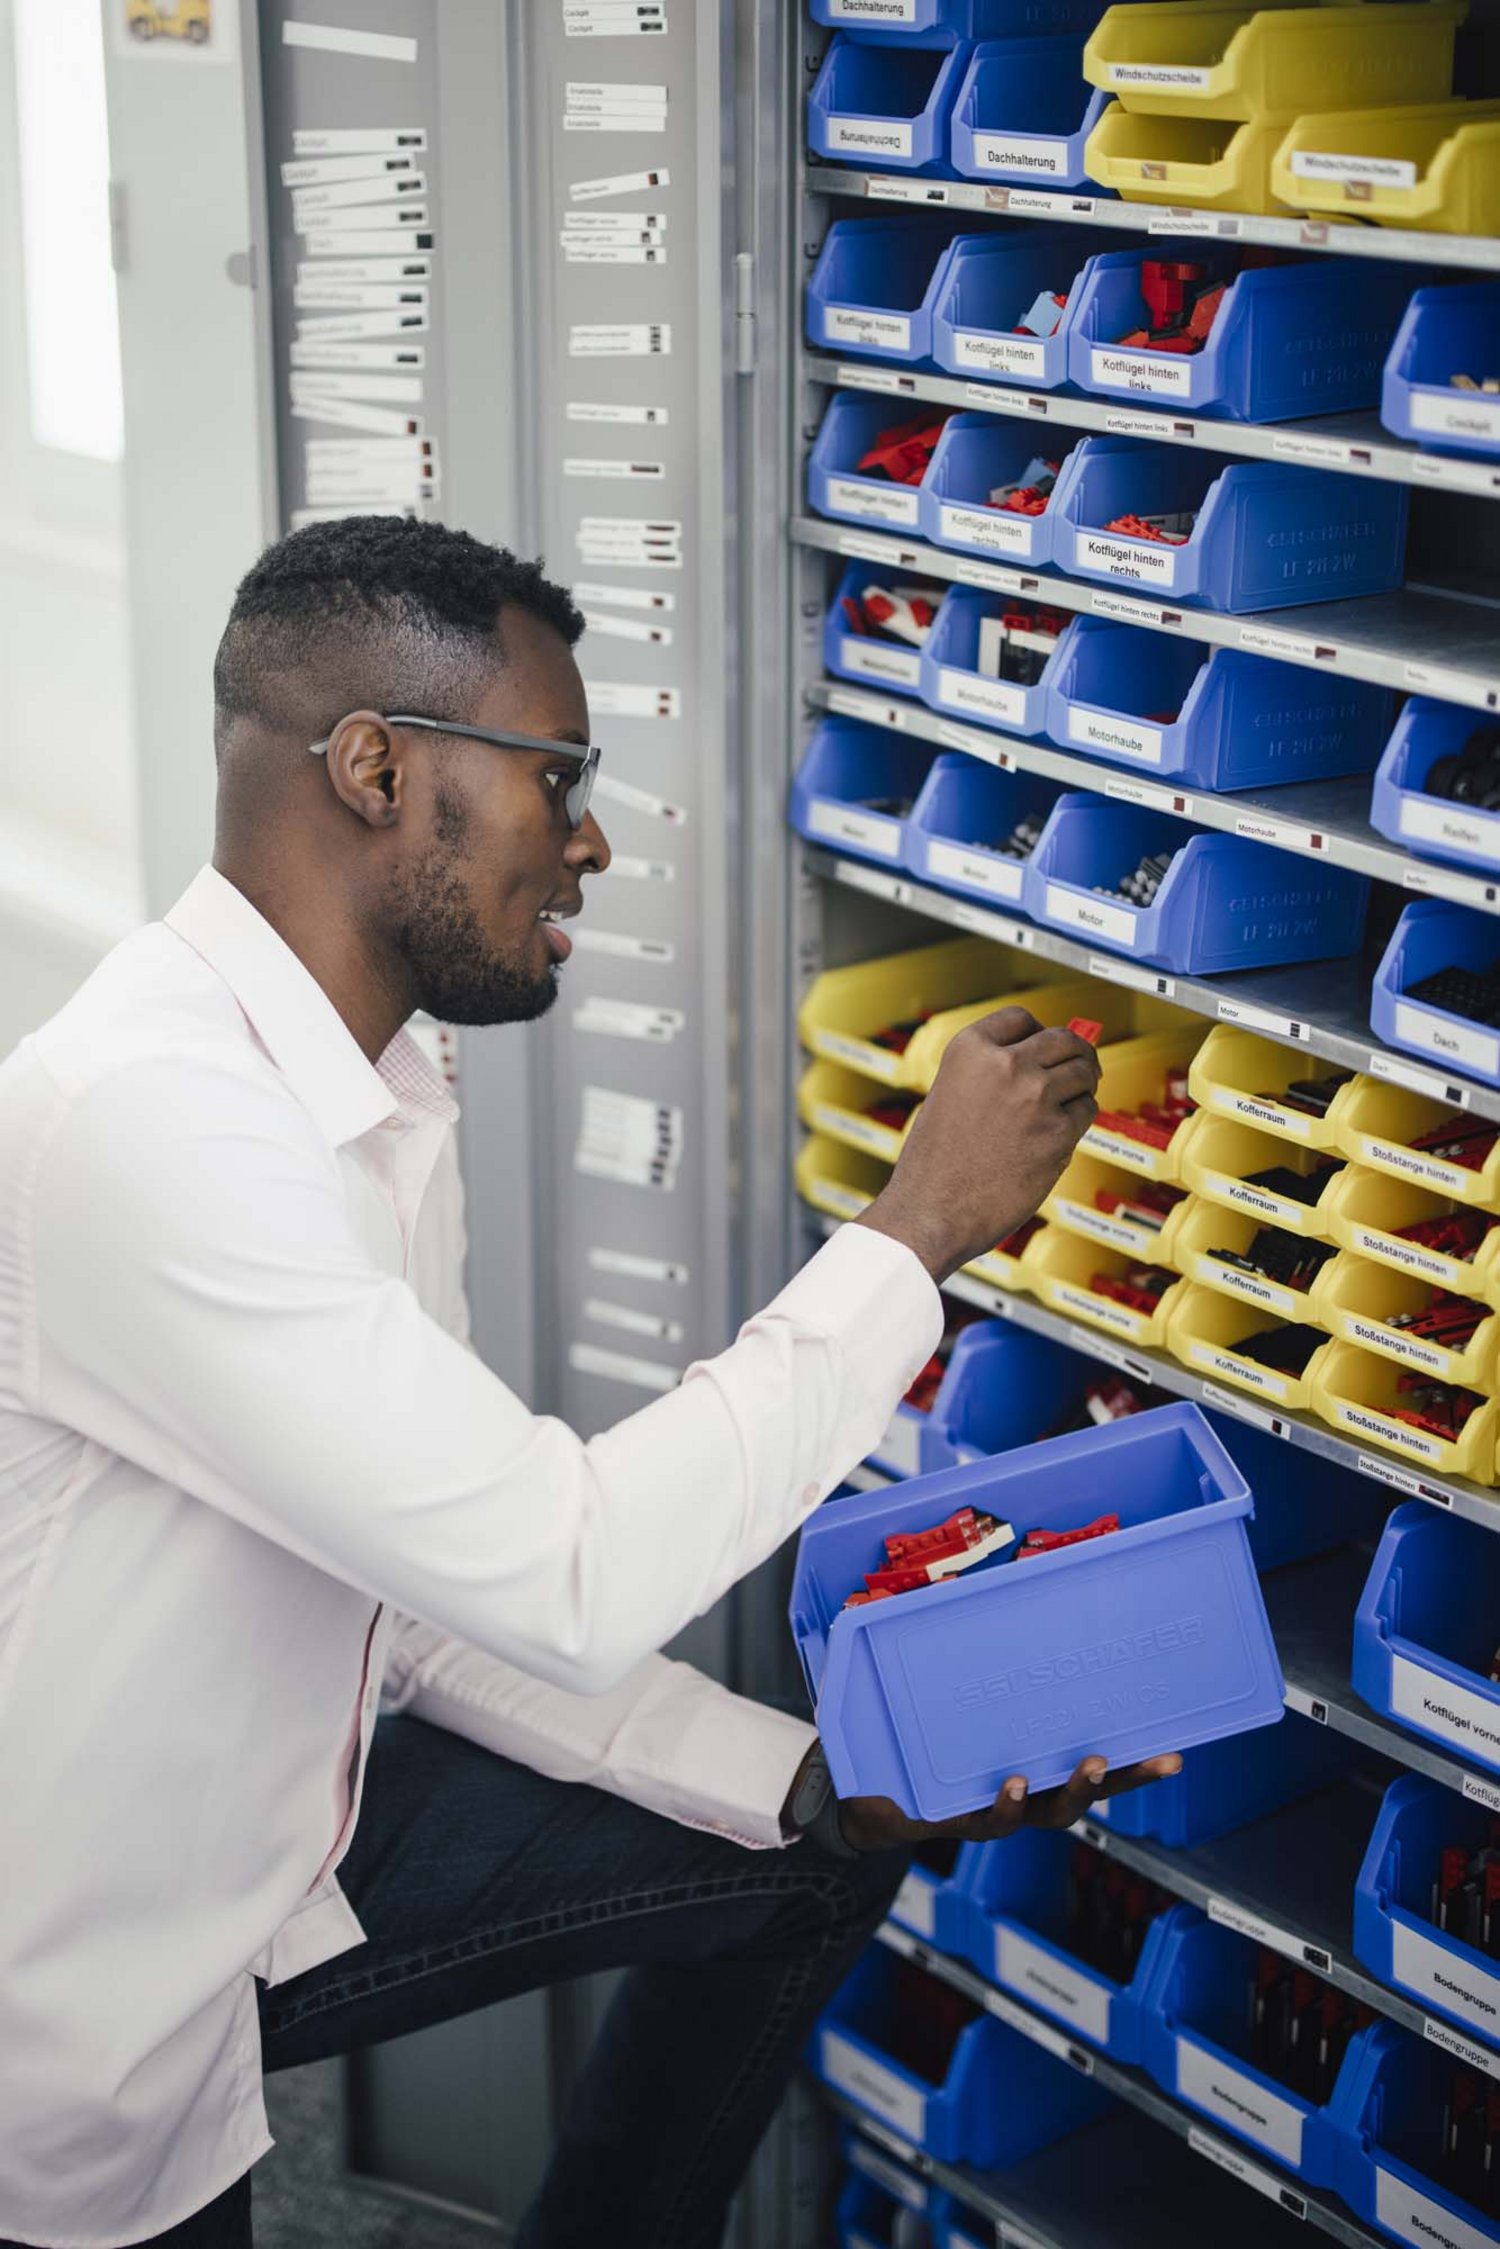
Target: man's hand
<point>874,1823</point>
<point>1009,1105</point>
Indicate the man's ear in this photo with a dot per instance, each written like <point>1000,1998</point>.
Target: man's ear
<point>365,767</point>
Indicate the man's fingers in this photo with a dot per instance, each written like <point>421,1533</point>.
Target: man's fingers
<point>1007,1026</point>
<point>1075,1080</point>
<point>1055,1046</point>
<point>1138,1776</point>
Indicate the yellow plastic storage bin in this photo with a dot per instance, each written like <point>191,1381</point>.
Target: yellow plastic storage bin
<point>1377,1125</point>
<point>1226,1163</point>
<point>1010,1268</point>
<point>1207,1332</point>
<point>1061,1269</point>
<point>1206,1227</point>
<point>1435,165</point>
<point>1188,160</point>
<point>1357,1301</point>
<point>1072,1205</point>
<point>1367,1211</point>
<point>1132,1073</point>
<point>837,1180</point>
<point>1105,1004</point>
<point>1236,1074</point>
<point>1357,1394</point>
<point>1198,58</point>
<point>846,1008</point>
<point>838,1102</point>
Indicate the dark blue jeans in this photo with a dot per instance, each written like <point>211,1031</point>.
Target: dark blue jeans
<point>476,1879</point>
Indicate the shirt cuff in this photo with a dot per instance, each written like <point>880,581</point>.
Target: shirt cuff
<point>878,1300</point>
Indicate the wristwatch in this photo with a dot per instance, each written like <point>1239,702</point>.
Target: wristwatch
<point>814,1809</point>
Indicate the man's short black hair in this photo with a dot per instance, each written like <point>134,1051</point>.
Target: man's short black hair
<point>373,612</point>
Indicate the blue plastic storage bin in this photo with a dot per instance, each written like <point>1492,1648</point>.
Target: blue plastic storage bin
<point>1004,1386</point>
<point>1224,902</point>
<point>867,2161</point>
<point>868,658</point>
<point>1303,1505</point>
<point>907,21</point>
<point>1243,721</point>
<point>885,108</point>
<point>1431,936</point>
<point>1425,1624</point>
<point>1287,340</point>
<point>999,2099</point>
<point>966,808</point>
<point>1195,2047</point>
<point>1265,536</point>
<point>1435,827</point>
<point>1006,1912</point>
<point>1227,1784</point>
<point>1389,2109</point>
<point>1024,112</point>
<point>1394,1931</point>
<point>835,487</point>
<point>1446,332</point>
<point>988,283</point>
<point>975,456</point>
<point>866,2214</point>
<point>1129,1646</point>
<point>845,768</point>
<point>874,285</point>
<point>915,1904</point>
<point>951,682</point>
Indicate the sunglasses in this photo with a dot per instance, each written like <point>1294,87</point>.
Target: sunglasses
<point>578,793</point>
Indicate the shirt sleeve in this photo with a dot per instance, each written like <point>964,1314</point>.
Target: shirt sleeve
<point>203,1305</point>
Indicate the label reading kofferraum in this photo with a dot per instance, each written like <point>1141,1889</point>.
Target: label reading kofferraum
<point>1243,1371</point>
<point>1122,558</point>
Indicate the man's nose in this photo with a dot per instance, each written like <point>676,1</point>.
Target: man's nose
<point>587,848</point>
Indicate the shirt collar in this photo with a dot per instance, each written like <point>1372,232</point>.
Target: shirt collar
<point>296,1021</point>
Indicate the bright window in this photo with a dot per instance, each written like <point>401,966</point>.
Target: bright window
<point>73,348</point>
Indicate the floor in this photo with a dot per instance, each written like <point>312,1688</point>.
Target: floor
<point>301,2198</point>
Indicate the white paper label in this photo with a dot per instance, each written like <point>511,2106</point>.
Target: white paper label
<point>629,340</point>
<point>877,2088</point>
<point>1410,1163</point>
<point>1482,1792</point>
<point>1137,979</point>
<point>1082,1218</point>
<point>1436,822</point>
<point>1120,1150</point>
<point>1241,1195</point>
<point>988,527</point>
<point>1230,1401</point>
<point>1063,1991</point>
<point>1160,77</point>
<point>1324,452</point>
<point>874,136</point>
<point>1076,909</point>
<point>873,11</point>
<point>1287,1122</point>
<point>966,691</point>
<point>1410,1257</point>
<point>867,830</point>
<point>1457,413</point>
<point>1456,1714</point>
<point>1119,737</point>
<point>901,1446</point>
<point>848,1125</point>
<point>1250,2174</point>
<point>1112,369</point>
<point>1391,1067</point>
<point>1119,558</point>
<point>876,660</point>
<point>1445,1978</point>
<point>1477,2057</point>
<point>1237,1370</point>
<point>1000,355</point>
<point>877,503</point>
<point>1211,2084</point>
<point>1006,152</point>
<point>1266,1932</point>
<point>1215,1274</point>
<point>1370,1423</point>
<point>1392,1343</point>
<point>1101,1311</point>
<point>1125,611</point>
<point>1417,2218</point>
<point>1363,171</point>
<point>880,331</point>
<point>1001,878</point>
<point>915,1903</point>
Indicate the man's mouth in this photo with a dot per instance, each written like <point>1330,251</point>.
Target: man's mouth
<point>559,943</point>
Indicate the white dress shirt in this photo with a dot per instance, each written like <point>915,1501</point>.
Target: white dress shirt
<point>243,1448</point>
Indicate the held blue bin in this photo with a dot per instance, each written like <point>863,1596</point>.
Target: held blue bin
<point>1265,536</point>
<point>1242,721</point>
<point>907,21</point>
<point>1287,340</point>
<point>1388,2109</point>
<point>1227,1784</point>
<point>1425,1630</point>
<point>868,658</point>
<point>988,283</point>
<point>1024,112</point>
<point>950,681</point>
<point>1394,1931</point>
<point>999,2099</point>
<point>1435,827</point>
<point>847,767</point>
<point>1006,1912</point>
<point>886,108</point>
<point>1003,1387</point>
<point>975,456</point>
<point>835,487</point>
<point>1446,332</point>
<point>1225,902</point>
<point>1431,936</point>
<point>966,808</point>
<point>1152,1639</point>
<point>874,285</point>
<point>1196,2047</point>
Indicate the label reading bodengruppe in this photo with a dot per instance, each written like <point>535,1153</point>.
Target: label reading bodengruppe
<point>1440,1975</point>
<point>1123,737</point>
<point>877,331</point>
<point>865,829</point>
<point>1250,2174</point>
<point>873,2085</point>
<point>1456,1714</point>
<point>1050,1983</point>
<point>1411,2216</point>
<point>871,136</point>
<point>1432,821</point>
<point>998,355</point>
<point>877,503</point>
<point>1208,2081</point>
<point>1000,878</point>
<point>1008,152</point>
<point>966,691</point>
<point>991,528</point>
<point>1127,558</point>
<point>1349,170</point>
<point>1456,413</point>
<point>1113,369</point>
<point>1078,909</point>
<point>1243,1371</point>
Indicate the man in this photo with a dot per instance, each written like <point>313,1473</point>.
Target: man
<point>251,1478</point>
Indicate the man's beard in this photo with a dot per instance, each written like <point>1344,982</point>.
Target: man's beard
<point>456,976</point>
